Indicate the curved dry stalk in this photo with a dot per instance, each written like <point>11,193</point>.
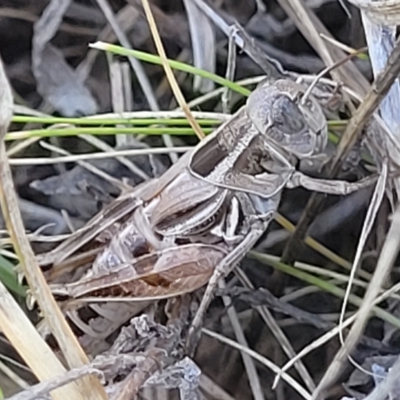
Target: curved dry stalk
<point>372,212</point>
<point>88,388</point>
<point>333,332</point>
<point>280,336</point>
<point>263,360</point>
<point>386,260</point>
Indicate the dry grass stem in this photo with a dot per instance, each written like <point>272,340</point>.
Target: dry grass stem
<point>168,71</point>
<point>89,388</point>
<point>248,362</point>
<point>386,260</point>
<point>263,360</point>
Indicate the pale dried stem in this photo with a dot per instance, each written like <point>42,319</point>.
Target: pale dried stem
<point>31,346</point>
<point>98,155</point>
<point>168,71</point>
<point>335,331</point>
<point>248,362</point>
<point>75,356</point>
<point>261,359</point>
<point>136,66</point>
<point>280,336</point>
<point>386,260</point>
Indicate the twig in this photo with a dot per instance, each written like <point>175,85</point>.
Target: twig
<point>212,389</point>
<point>42,390</point>
<point>13,376</point>
<point>329,69</point>
<point>372,212</point>
<point>136,66</point>
<point>121,96</point>
<point>230,71</point>
<point>102,366</point>
<point>269,65</point>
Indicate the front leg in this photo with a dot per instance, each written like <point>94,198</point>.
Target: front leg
<point>336,187</point>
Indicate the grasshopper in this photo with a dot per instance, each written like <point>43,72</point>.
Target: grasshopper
<point>194,224</point>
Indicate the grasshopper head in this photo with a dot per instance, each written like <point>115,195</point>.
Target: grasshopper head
<point>278,112</point>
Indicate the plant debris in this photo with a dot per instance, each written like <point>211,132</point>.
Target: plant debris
<point>126,332</point>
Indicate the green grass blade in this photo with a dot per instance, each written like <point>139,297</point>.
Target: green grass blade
<point>62,132</point>
<point>23,119</point>
<point>9,277</point>
<point>153,59</point>
<point>322,284</point>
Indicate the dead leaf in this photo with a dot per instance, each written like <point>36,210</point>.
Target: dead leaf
<point>183,375</point>
<point>36,216</point>
<point>81,192</point>
<point>57,82</point>
<point>359,378</point>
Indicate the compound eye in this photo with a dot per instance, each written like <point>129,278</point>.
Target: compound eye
<point>287,116</point>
